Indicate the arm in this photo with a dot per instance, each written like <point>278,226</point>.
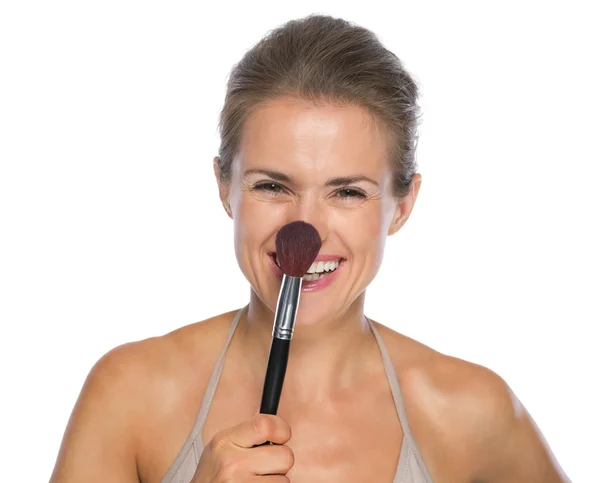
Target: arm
<point>518,452</point>
<point>99,441</point>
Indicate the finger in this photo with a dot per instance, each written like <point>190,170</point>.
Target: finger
<point>259,429</point>
<point>270,460</point>
<point>270,479</point>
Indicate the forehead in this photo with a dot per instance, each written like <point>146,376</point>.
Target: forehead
<point>297,135</point>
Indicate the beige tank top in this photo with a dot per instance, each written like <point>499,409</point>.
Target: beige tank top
<point>410,468</point>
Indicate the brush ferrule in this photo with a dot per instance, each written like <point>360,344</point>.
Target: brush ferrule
<point>287,307</point>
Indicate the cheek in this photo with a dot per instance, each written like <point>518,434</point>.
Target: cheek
<point>369,226</point>
<point>255,222</point>
<point>365,233</point>
<point>376,230</point>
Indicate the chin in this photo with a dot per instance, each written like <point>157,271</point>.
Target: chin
<point>313,312</point>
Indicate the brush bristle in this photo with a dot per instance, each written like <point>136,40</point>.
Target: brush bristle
<point>298,244</point>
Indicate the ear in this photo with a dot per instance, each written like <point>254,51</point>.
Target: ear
<point>223,187</point>
<point>405,205</point>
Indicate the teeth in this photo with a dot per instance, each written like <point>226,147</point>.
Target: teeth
<point>321,267</point>
<point>310,277</point>
<point>316,269</point>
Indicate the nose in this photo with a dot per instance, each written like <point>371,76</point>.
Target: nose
<point>311,211</point>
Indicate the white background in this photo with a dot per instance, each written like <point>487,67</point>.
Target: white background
<point>112,229</point>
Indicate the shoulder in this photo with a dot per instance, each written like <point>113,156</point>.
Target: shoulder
<point>454,394</point>
<point>136,393</point>
<point>158,378</point>
<point>155,363</point>
<point>468,413</point>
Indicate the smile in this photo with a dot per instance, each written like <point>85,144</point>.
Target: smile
<point>319,268</point>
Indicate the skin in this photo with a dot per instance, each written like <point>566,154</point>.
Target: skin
<point>141,399</point>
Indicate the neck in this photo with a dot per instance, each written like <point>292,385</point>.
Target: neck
<point>326,356</point>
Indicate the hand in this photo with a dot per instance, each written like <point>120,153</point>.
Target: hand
<point>232,455</point>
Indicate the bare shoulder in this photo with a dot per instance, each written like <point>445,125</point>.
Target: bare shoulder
<point>162,370</point>
<point>133,394</point>
<point>449,394</point>
<point>468,423</point>
<point>439,383</point>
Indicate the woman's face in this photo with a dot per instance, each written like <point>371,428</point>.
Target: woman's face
<point>326,165</point>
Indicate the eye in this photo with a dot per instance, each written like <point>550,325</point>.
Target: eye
<point>350,194</point>
<point>269,187</point>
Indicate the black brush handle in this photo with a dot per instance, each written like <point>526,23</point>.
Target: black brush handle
<point>278,359</point>
<point>283,329</point>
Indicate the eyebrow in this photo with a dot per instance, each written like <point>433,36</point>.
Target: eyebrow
<point>276,175</point>
<point>284,178</point>
<point>345,180</point>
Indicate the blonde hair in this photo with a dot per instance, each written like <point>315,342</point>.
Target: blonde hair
<point>325,59</point>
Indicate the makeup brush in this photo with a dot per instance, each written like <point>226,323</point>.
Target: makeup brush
<point>298,244</point>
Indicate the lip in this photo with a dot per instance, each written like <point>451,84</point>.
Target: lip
<point>323,283</point>
<point>315,285</point>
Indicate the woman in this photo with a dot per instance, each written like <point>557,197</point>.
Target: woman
<point>319,124</point>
